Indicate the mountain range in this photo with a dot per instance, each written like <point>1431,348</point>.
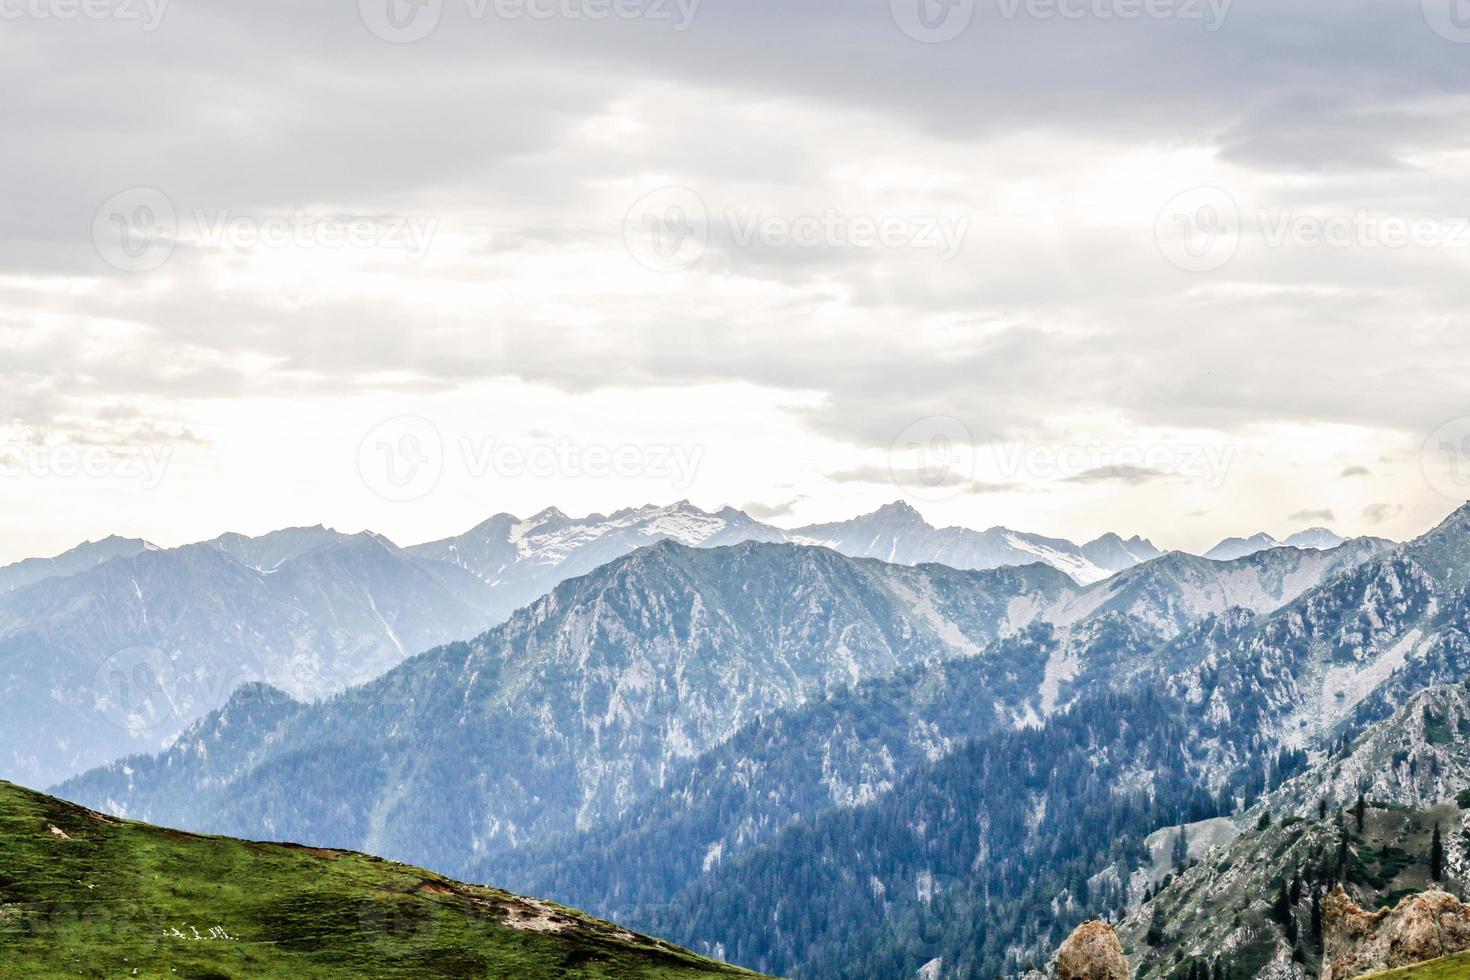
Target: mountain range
<point>977,842</point>
<point>731,694</point>
<point>135,641</point>
<point>84,556</point>
<point>704,712</point>
<point>1319,538</point>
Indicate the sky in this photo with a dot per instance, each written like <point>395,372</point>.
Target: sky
<point>1183,268</point>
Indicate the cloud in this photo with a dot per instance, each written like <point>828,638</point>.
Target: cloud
<point>1354,471</point>
<point>1120,473</point>
<point>765,512</point>
<point>1058,313</point>
<point>1380,512</point>
<point>900,477</point>
<point>1312,515</point>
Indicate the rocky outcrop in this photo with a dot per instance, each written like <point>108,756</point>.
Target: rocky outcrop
<point>1421,927</point>
<point>1092,952</point>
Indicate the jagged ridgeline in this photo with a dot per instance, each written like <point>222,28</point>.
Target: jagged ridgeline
<point>82,893</point>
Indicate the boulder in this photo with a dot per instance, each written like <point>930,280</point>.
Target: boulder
<point>1092,952</point>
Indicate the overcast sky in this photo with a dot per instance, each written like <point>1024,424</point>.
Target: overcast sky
<point>1185,268</point>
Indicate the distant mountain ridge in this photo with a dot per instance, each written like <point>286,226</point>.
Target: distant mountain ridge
<point>474,581</point>
<point>525,558</point>
<point>84,556</point>
<point>120,656</point>
<point>898,533</point>
<point>1318,538</point>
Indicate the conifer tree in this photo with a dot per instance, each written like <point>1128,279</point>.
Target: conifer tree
<point>1281,908</point>
<point>1436,856</point>
<point>1181,850</point>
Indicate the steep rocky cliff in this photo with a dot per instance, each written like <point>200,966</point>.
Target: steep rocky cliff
<point>1421,927</point>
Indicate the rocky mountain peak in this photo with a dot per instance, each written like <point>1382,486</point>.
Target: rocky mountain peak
<point>1421,927</point>
<point>897,511</point>
<point>1092,952</point>
<point>1320,538</point>
<point>1233,548</point>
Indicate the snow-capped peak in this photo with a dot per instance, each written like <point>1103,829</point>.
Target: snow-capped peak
<point>1319,538</point>
<point>1233,548</point>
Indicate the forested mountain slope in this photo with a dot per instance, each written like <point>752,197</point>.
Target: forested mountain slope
<point>580,704</point>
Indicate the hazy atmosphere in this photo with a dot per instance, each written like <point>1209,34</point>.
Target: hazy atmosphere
<point>774,244</point>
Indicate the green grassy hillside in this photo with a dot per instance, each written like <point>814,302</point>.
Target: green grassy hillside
<point>1455,967</point>
<point>82,894</point>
